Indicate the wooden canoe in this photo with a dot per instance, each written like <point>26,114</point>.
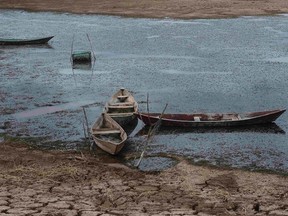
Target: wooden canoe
<point>25,41</point>
<point>108,134</point>
<point>122,107</point>
<point>211,119</point>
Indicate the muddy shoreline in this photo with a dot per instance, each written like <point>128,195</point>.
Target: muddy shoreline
<point>37,182</point>
<point>194,9</point>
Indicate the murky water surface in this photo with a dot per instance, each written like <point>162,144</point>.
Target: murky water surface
<point>229,65</point>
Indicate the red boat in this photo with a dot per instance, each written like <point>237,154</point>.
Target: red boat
<point>211,119</point>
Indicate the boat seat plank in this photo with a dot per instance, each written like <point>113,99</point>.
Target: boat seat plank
<point>122,97</point>
<point>103,129</point>
<point>106,132</point>
<point>120,106</point>
<point>121,114</point>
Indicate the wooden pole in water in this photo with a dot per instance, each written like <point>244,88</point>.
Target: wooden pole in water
<point>87,127</point>
<point>94,57</point>
<point>147,101</point>
<point>71,60</point>
<point>148,111</point>
<point>84,129</point>
<point>151,133</point>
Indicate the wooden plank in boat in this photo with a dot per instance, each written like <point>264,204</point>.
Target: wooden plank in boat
<point>106,132</point>
<point>121,104</point>
<point>120,114</point>
<point>120,107</point>
<point>122,98</point>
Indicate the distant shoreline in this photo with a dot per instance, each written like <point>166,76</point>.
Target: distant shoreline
<point>184,9</point>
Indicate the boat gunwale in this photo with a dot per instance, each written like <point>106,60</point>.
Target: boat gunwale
<point>122,132</point>
<point>114,143</point>
<point>111,104</point>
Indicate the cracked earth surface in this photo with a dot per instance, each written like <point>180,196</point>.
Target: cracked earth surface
<point>36,182</point>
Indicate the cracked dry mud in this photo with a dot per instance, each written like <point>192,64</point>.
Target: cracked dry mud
<point>35,182</point>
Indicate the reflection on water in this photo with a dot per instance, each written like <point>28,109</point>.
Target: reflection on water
<point>193,73</point>
<point>265,128</point>
<point>279,59</point>
<point>51,109</point>
<point>129,128</point>
<point>83,66</point>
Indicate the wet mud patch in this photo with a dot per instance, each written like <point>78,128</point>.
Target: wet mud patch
<point>58,123</point>
<point>3,96</point>
<point>152,163</point>
<point>2,134</point>
<point>227,182</point>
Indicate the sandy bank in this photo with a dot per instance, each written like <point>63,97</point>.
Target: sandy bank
<point>184,9</point>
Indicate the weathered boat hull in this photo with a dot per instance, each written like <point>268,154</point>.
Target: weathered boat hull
<point>122,107</point>
<point>108,147</point>
<point>25,41</point>
<point>211,119</point>
<point>108,134</point>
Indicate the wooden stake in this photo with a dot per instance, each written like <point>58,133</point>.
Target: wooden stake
<point>84,129</point>
<point>147,102</point>
<point>87,127</point>
<point>94,57</point>
<point>148,111</point>
<point>151,132</point>
<point>71,60</point>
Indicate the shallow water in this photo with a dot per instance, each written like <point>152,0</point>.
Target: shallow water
<point>229,65</point>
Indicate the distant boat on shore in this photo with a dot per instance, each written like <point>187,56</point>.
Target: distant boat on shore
<point>25,41</point>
